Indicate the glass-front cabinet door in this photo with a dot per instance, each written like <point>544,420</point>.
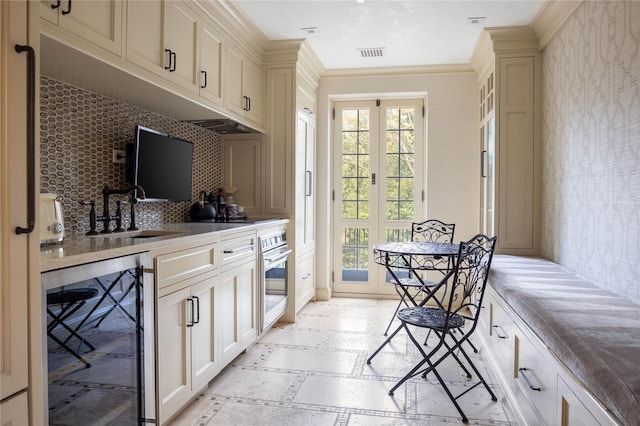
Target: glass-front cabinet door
<point>487,160</point>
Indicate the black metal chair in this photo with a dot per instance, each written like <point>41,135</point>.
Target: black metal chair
<point>69,301</point>
<point>456,321</point>
<point>431,230</point>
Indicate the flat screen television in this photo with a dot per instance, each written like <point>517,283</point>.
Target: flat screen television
<point>161,165</point>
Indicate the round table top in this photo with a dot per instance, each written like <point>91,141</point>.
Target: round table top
<point>418,248</point>
<point>414,254</point>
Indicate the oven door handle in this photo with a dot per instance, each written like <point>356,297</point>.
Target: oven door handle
<point>271,260</point>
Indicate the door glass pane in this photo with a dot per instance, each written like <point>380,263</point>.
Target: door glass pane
<point>355,187</point>
<point>355,164</point>
<point>400,163</point>
<point>355,254</point>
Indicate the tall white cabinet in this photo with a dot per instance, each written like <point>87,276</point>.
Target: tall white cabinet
<point>510,104</point>
<point>19,274</point>
<point>275,172</point>
<point>290,160</point>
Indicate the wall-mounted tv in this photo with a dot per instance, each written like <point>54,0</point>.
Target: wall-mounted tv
<point>161,165</point>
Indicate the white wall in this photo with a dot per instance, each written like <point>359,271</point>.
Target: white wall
<point>453,151</point>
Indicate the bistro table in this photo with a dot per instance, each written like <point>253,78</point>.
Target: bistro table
<point>414,256</point>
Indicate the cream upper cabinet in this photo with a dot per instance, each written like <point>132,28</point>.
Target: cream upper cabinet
<point>99,22</point>
<point>244,85</point>
<point>211,63</point>
<point>162,37</point>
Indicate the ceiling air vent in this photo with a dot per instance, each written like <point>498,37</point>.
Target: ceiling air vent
<point>375,52</point>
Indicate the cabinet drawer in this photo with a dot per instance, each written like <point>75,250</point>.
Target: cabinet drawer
<point>305,289</point>
<point>179,266</point>
<point>502,337</point>
<point>238,247</point>
<point>535,377</point>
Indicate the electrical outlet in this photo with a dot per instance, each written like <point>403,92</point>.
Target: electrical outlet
<point>119,156</point>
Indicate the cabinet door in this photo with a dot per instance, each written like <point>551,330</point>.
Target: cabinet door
<point>145,45</point>
<point>174,353</point>
<point>211,53</point>
<point>99,22</point>
<point>305,182</point>
<point>247,309</point>
<point>234,97</point>
<point>181,38</point>
<point>14,250</point>
<point>15,411</point>
<point>237,309</point>
<point>252,85</point>
<point>242,169</point>
<point>204,360</point>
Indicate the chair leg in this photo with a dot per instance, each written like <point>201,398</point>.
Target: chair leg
<point>58,320</point>
<point>66,311</point>
<point>480,377</point>
<point>68,349</point>
<point>383,344</point>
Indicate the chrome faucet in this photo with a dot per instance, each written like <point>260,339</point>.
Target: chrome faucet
<point>106,217</point>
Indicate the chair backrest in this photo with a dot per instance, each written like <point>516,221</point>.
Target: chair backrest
<point>466,287</point>
<point>433,231</point>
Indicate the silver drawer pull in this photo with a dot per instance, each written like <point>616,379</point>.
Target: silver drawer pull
<point>306,276</point>
<point>526,379</point>
<point>500,336</point>
<point>240,249</point>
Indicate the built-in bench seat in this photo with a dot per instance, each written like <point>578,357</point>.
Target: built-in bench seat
<point>593,331</point>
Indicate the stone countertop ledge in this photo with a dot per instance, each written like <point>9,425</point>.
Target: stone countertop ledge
<point>80,249</point>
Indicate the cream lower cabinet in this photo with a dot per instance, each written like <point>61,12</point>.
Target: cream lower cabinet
<point>238,325</point>
<point>541,389</point>
<point>237,310</point>
<point>186,344</point>
<point>187,357</point>
<point>305,284</point>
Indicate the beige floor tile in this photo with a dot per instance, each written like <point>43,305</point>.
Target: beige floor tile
<point>314,372</point>
<point>360,394</point>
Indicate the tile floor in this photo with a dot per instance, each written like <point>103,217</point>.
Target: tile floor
<point>314,372</point>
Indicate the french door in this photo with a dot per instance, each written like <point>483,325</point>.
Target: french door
<point>378,175</point>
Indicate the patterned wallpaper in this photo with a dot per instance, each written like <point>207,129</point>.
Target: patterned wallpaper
<point>79,131</point>
<point>591,145</point>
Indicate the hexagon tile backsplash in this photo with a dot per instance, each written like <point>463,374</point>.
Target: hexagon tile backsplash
<point>80,129</point>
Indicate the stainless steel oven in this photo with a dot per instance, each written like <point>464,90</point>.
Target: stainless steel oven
<point>274,281</point>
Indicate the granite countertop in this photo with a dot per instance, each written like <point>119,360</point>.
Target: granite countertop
<point>80,249</point>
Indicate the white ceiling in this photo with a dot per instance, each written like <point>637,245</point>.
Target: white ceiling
<point>417,32</point>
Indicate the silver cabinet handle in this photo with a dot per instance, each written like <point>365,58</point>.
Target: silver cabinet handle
<point>240,249</point>
<point>526,379</point>
<point>308,275</point>
<point>309,182</point>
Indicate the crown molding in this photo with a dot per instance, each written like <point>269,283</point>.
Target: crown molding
<point>551,17</point>
<point>397,71</point>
